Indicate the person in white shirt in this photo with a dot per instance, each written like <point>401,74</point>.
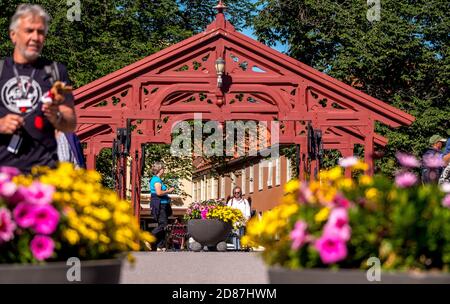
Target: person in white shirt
<point>242,204</point>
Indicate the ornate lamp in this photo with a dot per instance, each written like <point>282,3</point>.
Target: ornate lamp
<point>220,69</point>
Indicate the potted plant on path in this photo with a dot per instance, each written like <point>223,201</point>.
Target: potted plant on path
<point>210,222</point>
<point>51,216</point>
<point>357,230</point>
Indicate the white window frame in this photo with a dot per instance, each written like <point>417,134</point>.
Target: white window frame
<point>194,191</point>
<point>233,182</point>
<point>260,176</point>
<point>277,171</point>
<point>214,190</point>
<point>269,173</point>
<point>288,169</point>
<point>202,190</point>
<point>244,181</point>
<point>251,181</point>
<point>222,187</point>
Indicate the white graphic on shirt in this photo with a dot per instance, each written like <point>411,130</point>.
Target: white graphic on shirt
<point>11,94</point>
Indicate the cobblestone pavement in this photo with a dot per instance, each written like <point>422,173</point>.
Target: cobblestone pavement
<point>186,267</point>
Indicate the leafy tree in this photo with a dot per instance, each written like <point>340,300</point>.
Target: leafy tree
<point>402,59</point>
<point>115,33</point>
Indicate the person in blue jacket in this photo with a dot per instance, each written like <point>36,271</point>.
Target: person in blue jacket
<point>160,204</point>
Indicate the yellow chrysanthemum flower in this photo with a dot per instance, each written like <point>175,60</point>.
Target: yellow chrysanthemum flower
<point>71,236</point>
<point>292,186</point>
<point>322,215</point>
<point>372,194</point>
<point>365,180</point>
<point>335,173</point>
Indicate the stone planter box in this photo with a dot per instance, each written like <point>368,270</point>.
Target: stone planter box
<point>91,272</point>
<point>278,275</point>
<point>208,232</point>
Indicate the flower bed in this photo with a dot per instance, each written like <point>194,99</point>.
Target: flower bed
<point>341,222</point>
<point>212,209</point>
<point>210,223</point>
<point>52,215</point>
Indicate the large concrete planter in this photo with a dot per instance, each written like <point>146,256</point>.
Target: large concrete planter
<point>91,272</point>
<point>279,275</point>
<point>208,232</point>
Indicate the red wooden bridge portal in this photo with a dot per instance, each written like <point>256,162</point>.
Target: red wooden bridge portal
<point>257,83</point>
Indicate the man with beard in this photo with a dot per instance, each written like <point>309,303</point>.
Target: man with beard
<point>27,122</point>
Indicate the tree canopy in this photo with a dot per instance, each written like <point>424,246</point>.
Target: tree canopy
<point>402,59</point>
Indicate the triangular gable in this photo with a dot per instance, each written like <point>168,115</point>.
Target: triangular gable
<point>341,95</point>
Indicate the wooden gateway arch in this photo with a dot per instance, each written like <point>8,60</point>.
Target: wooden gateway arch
<point>139,103</point>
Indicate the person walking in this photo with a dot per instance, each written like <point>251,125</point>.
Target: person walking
<point>160,204</point>
<point>243,205</point>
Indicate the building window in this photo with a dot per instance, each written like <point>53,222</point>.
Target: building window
<point>288,170</point>
<point>269,173</point>
<point>214,188</point>
<point>209,189</point>
<point>202,191</point>
<point>204,196</point>
<point>233,182</point>
<point>277,172</point>
<point>199,192</point>
<point>222,187</point>
<point>194,191</point>
<point>260,176</point>
<point>251,179</point>
<point>244,181</point>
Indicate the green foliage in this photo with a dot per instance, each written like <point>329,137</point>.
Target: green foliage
<point>403,59</point>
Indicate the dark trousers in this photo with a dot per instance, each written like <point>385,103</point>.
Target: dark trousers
<point>163,220</point>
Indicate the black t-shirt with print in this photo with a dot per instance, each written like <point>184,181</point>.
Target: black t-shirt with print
<point>39,144</point>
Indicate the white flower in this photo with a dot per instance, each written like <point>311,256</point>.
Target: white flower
<point>348,161</point>
<point>445,187</point>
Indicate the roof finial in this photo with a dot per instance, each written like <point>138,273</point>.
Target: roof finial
<point>220,7</point>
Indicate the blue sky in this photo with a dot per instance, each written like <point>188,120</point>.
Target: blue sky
<point>249,32</point>
<point>283,48</point>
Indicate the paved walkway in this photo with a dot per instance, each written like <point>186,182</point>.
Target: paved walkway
<point>186,267</point>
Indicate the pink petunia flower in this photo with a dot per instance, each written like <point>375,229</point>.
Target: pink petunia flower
<point>348,161</point>
<point>18,196</point>
<point>46,219</point>
<point>405,179</point>
<point>305,194</point>
<point>7,189</point>
<point>7,226</point>
<point>204,213</point>
<point>40,194</point>
<point>341,201</point>
<point>446,201</point>
<point>433,161</point>
<point>331,249</point>
<point>298,235</point>
<point>338,224</point>
<point>4,178</point>
<point>42,247</point>
<point>407,160</point>
<point>10,171</point>
<point>24,215</point>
